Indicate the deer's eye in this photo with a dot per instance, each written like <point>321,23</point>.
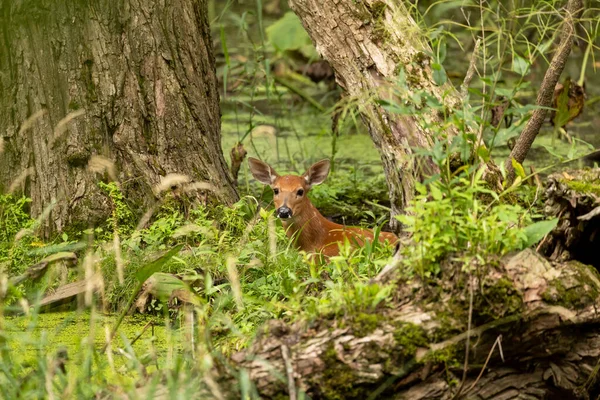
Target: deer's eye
<point>300,192</point>
<point>276,191</point>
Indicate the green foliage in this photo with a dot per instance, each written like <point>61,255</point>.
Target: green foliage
<point>536,231</point>
<point>288,34</point>
<point>13,216</point>
<point>122,218</point>
<point>451,219</point>
<point>455,219</point>
<point>236,260</point>
<point>353,193</point>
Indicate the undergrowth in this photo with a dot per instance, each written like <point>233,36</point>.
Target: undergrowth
<point>211,277</point>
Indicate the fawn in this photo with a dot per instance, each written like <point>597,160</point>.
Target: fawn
<point>313,232</point>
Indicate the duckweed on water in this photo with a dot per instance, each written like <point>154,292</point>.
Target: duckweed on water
<point>45,334</point>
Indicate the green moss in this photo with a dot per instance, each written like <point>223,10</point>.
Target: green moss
<point>361,11</point>
<point>500,299</point>
<point>78,158</point>
<point>575,292</point>
<point>52,331</point>
<point>447,356</point>
<point>363,324</point>
<point>74,105</point>
<point>584,187</point>
<point>337,381</point>
<point>449,318</point>
<point>410,337</point>
<point>380,32</point>
<point>413,79</point>
<point>377,9</point>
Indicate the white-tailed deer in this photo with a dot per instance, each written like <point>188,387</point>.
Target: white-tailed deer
<point>313,233</point>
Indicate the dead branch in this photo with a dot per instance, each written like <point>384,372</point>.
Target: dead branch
<point>545,94</point>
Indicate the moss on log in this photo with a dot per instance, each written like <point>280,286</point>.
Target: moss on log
<point>542,313</point>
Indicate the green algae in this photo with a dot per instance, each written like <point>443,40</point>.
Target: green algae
<point>27,338</point>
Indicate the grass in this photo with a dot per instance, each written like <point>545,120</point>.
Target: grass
<point>270,282</point>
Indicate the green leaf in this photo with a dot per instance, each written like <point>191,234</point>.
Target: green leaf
<point>166,286</point>
<point>287,33</point>
<point>394,108</point>
<point>504,134</point>
<point>536,232</point>
<point>147,270</point>
<point>441,50</point>
<point>520,65</point>
<point>483,153</point>
<point>550,149</point>
<point>504,92</point>
<point>436,193</point>
<point>518,168</point>
<point>563,113</point>
<point>439,74</point>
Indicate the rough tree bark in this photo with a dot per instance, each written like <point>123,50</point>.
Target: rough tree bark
<point>366,43</point>
<point>133,81</point>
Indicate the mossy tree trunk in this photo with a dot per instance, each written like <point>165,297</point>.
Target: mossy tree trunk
<point>367,43</point>
<point>130,81</point>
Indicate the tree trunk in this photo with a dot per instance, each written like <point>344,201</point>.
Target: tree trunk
<point>367,43</point>
<point>130,81</point>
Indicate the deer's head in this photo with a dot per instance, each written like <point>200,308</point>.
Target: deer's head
<point>289,191</point>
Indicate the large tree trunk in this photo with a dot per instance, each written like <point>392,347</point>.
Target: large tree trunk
<point>131,81</point>
<point>366,43</point>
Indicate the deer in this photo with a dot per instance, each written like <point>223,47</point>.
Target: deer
<point>310,230</point>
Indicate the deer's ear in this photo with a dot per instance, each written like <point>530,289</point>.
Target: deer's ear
<point>317,173</point>
<point>262,172</point>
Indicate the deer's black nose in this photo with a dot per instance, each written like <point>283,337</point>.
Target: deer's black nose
<point>284,212</point>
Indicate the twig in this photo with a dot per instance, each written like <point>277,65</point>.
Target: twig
<point>289,369</point>
<point>372,203</point>
<point>498,342</point>
<point>141,333</point>
<point>546,92</point>
<point>468,343</point>
<point>483,87</point>
<point>238,153</point>
<point>464,88</point>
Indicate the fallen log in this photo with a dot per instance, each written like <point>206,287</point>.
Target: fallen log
<point>38,270</point>
<point>534,335</point>
<point>64,294</point>
<point>574,198</point>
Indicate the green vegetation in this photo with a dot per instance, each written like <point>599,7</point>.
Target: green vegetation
<point>584,187</point>
<point>410,336</point>
<point>211,276</point>
<point>121,220</point>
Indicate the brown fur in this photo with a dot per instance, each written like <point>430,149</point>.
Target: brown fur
<point>312,232</point>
